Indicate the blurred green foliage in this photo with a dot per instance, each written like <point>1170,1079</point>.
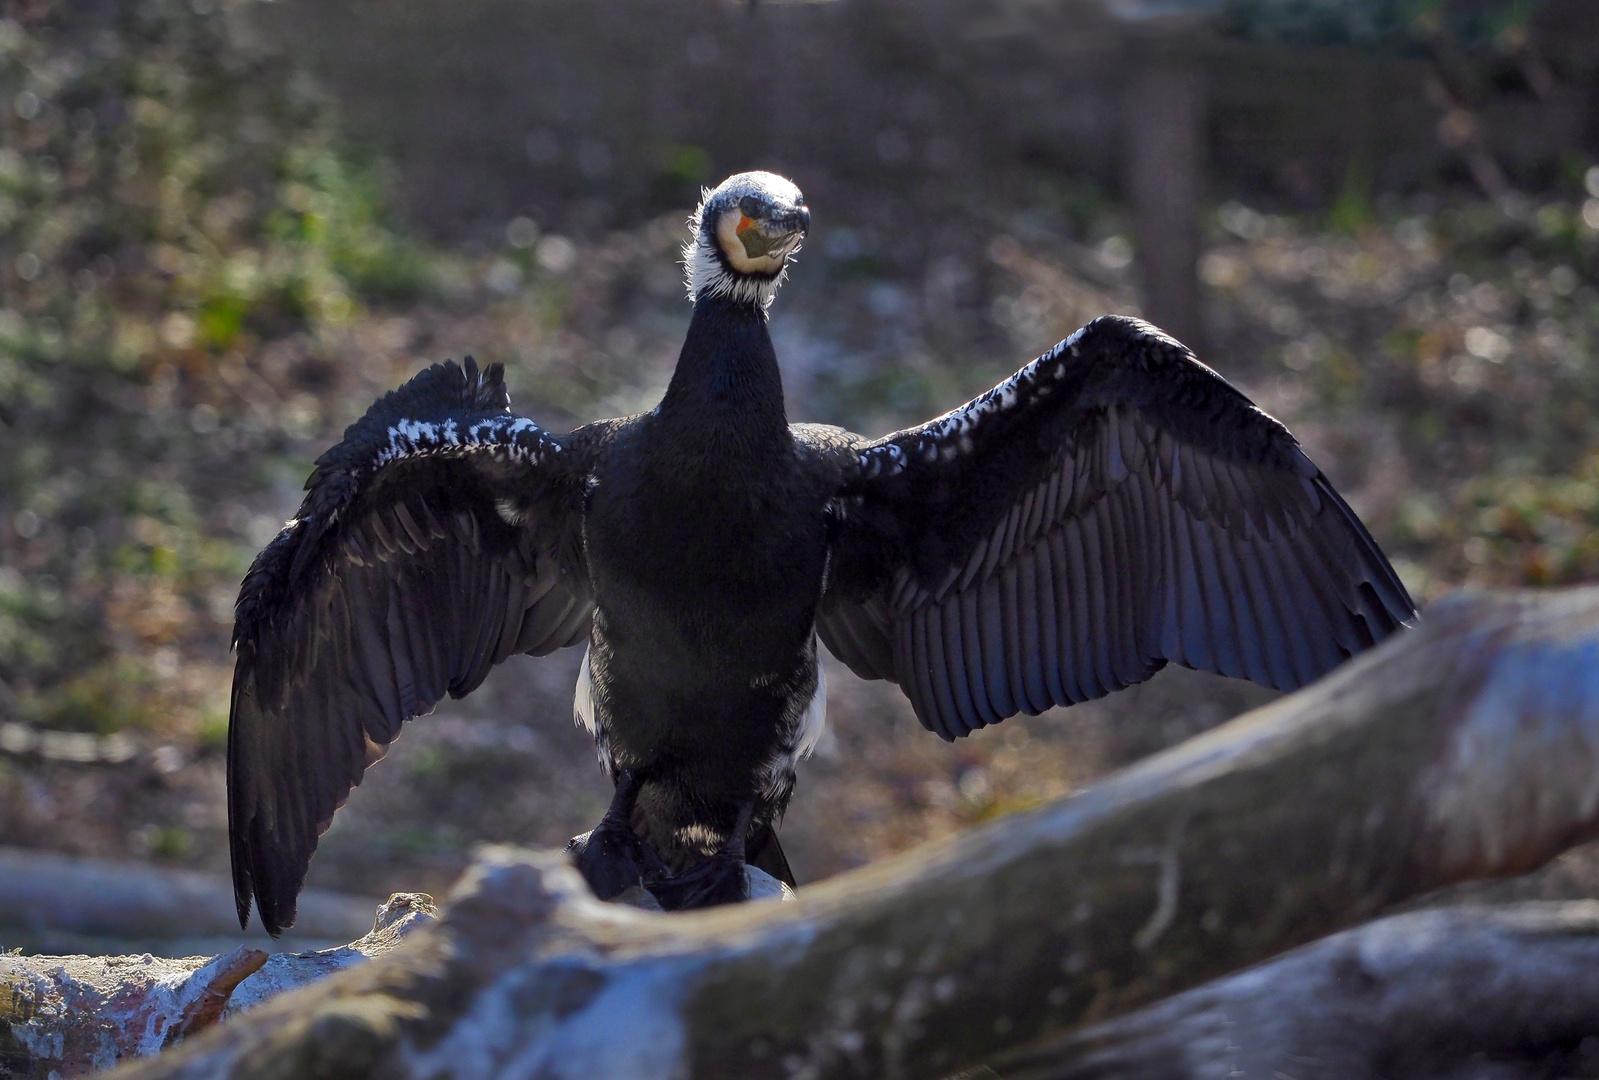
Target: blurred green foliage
<point>170,199</point>
<point>163,190</point>
<point>1394,25</point>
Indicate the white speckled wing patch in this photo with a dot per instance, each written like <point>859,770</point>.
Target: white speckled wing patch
<point>951,434</point>
<point>513,438</point>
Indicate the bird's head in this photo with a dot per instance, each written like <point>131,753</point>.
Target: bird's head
<point>743,234</point>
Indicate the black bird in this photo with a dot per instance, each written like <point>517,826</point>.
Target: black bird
<point>1113,506</point>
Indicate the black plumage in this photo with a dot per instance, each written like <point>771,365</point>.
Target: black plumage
<point>1112,507</point>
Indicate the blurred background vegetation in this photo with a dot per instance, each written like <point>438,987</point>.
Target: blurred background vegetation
<point>227,225</point>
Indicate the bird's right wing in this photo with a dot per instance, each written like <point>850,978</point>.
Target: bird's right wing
<point>442,535</point>
<point>1113,506</point>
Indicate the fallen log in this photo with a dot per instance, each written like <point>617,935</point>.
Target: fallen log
<point>1467,748</point>
<point>1426,994</point>
<point>41,890</point>
<point>63,1016</point>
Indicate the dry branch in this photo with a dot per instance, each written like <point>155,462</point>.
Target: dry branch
<point>1428,994</point>
<point>1465,749</point>
<point>63,1016</point>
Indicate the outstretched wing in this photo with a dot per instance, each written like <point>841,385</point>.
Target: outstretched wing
<point>442,535</point>
<point>1112,506</point>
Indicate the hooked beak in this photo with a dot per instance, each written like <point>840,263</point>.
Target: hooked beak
<point>775,237</point>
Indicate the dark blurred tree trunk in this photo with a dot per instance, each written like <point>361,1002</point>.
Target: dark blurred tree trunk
<point>1353,203</point>
<point>103,898</point>
<point>1163,133</point>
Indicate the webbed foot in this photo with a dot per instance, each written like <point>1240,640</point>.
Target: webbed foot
<point>611,857</point>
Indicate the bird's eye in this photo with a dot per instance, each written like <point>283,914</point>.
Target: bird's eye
<point>750,206</point>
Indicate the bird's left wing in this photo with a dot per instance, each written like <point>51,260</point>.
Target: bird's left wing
<point>1112,506</point>
<point>442,535</point>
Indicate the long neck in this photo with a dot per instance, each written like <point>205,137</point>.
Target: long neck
<point>727,384</point>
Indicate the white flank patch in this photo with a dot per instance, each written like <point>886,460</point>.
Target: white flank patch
<point>583,700</point>
<point>508,512</point>
<point>701,837</point>
<point>804,736</point>
<point>814,722</point>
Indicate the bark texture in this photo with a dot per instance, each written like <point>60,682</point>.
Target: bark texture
<point>1506,993</point>
<point>1467,748</point>
<point>63,1016</point>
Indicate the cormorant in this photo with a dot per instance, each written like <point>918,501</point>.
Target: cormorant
<point>1113,506</point>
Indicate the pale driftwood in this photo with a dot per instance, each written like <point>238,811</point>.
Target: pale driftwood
<point>1468,748</point>
<point>101,898</point>
<point>64,1016</point>
<point>399,916</point>
<point>70,1015</point>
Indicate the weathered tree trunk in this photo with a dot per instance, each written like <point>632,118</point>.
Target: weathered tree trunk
<point>1467,748</point>
<point>1428,994</point>
<point>71,1015</point>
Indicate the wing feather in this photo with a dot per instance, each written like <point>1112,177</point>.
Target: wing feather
<point>986,698</point>
<point>989,614</point>
<point>874,639</point>
<point>1247,630</point>
<point>1113,506</point>
<point>398,581</point>
<point>1065,611</point>
<point>841,631</point>
<point>956,711</point>
<point>1030,695</point>
<point>1081,657</point>
<point>1049,644</point>
<point>1122,612</point>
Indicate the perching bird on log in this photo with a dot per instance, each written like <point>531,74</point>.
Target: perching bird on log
<point>1113,506</point>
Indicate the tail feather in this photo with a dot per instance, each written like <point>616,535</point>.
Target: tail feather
<point>763,852</point>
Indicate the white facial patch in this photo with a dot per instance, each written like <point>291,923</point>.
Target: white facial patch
<point>733,246</point>
<point>716,258</point>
